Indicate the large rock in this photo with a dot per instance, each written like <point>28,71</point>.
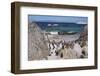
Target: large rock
<point>37,46</point>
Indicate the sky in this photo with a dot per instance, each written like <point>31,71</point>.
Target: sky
<point>47,18</point>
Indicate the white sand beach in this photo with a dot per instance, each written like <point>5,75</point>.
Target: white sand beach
<point>66,38</point>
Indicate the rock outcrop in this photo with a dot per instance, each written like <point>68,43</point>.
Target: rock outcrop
<point>37,46</point>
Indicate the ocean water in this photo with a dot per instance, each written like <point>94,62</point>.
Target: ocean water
<point>60,27</point>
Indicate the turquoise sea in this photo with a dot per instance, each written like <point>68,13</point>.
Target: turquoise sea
<point>60,26</point>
